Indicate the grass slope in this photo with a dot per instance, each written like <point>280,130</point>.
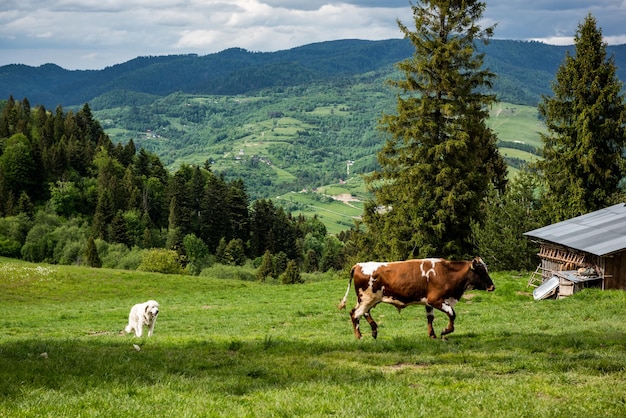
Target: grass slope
<point>233,348</point>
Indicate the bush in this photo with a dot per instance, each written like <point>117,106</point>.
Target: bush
<point>9,247</point>
<point>292,274</point>
<point>40,240</point>
<point>198,256</point>
<point>131,260</point>
<point>267,266</point>
<point>13,234</point>
<point>70,242</point>
<point>92,259</point>
<point>159,260</point>
<point>110,254</point>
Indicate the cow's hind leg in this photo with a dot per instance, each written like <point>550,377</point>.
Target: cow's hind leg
<point>430,316</point>
<point>363,309</point>
<point>372,323</point>
<point>355,324</point>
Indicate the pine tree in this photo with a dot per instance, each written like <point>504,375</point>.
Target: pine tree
<point>291,274</point>
<point>311,261</point>
<point>267,266</point>
<point>91,254</point>
<point>586,120</point>
<point>440,158</point>
<point>500,240</point>
<point>117,230</point>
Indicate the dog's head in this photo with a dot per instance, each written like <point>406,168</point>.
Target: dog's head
<point>152,309</point>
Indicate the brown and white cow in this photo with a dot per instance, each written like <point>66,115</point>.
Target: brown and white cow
<point>433,282</point>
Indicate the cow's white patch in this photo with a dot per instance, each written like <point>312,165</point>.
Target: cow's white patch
<point>433,263</point>
<point>371,281</point>
<point>448,305</point>
<point>370,267</point>
<point>369,299</point>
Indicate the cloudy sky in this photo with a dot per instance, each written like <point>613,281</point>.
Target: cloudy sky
<point>93,34</point>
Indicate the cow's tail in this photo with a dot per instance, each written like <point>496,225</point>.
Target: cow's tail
<point>342,304</point>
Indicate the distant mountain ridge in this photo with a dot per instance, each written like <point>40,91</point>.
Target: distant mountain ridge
<point>524,70</point>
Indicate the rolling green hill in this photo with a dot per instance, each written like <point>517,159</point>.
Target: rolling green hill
<point>524,71</point>
<point>287,121</point>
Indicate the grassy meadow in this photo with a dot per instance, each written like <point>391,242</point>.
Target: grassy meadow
<point>239,348</point>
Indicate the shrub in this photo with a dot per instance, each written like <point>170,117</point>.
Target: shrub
<point>131,260</point>
<point>110,254</point>
<point>160,260</point>
<point>13,234</point>
<point>70,242</point>
<point>292,274</point>
<point>9,247</point>
<point>266,268</point>
<point>198,256</point>
<point>92,258</point>
<point>232,253</point>
<point>40,240</point>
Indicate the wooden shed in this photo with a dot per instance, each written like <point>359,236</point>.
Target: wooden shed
<point>588,250</point>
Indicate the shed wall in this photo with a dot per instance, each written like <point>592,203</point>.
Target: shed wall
<point>615,273</point>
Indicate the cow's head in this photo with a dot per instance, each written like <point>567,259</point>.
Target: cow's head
<point>479,276</point>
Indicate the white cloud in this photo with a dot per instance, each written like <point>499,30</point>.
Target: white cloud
<point>97,33</point>
<point>555,40</point>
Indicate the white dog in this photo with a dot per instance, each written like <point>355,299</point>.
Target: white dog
<point>143,314</point>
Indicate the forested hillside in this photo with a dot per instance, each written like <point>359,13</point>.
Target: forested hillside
<point>69,195</point>
<point>524,69</point>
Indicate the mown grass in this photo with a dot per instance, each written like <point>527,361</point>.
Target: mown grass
<point>337,216</point>
<point>514,122</point>
<point>233,348</point>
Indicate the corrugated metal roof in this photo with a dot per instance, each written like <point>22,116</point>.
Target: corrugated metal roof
<point>601,232</point>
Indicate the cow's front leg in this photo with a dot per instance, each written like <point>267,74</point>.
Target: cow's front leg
<point>372,323</point>
<point>430,316</point>
<point>355,324</point>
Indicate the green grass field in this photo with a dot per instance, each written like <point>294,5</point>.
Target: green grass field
<point>233,348</point>
<point>337,216</point>
<point>516,123</point>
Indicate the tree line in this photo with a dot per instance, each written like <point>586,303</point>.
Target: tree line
<point>69,195</point>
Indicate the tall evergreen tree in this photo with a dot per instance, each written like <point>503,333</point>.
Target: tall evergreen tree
<point>440,157</point>
<point>586,120</point>
<point>91,254</point>
<point>215,215</point>
<point>238,202</point>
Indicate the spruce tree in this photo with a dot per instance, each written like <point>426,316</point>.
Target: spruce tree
<point>91,254</point>
<point>267,266</point>
<point>292,274</point>
<point>586,120</point>
<point>440,158</point>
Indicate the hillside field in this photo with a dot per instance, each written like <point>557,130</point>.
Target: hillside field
<point>512,123</point>
<point>241,348</point>
<point>273,154</point>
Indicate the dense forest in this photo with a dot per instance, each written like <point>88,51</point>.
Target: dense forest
<point>69,195</point>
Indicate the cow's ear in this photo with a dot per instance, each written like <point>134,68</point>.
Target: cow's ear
<point>475,262</point>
